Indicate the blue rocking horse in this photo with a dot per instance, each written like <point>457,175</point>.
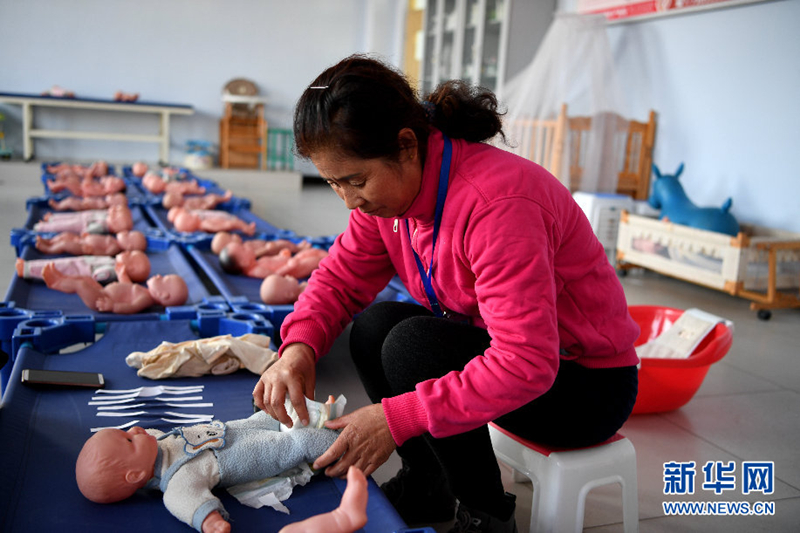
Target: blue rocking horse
<point>669,196</point>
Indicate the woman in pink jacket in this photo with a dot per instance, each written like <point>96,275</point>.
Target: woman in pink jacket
<point>523,320</point>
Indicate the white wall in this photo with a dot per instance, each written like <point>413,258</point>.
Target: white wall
<point>726,86</point>
<point>725,82</point>
<point>178,51</point>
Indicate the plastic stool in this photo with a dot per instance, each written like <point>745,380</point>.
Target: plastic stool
<point>563,477</point>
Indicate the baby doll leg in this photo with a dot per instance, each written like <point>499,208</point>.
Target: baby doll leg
<point>61,243</point>
<point>351,515</point>
<point>86,288</point>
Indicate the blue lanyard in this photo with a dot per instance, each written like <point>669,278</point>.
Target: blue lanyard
<point>427,278</point>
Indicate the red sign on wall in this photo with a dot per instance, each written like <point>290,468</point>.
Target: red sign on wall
<point>625,9</point>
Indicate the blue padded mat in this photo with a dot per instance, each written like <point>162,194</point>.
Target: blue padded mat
<point>45,429</point>
<point>34,294</point>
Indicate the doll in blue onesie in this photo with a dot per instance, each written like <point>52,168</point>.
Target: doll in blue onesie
<point>187,463</point>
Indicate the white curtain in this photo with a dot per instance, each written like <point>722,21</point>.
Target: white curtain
<point>573,66</point>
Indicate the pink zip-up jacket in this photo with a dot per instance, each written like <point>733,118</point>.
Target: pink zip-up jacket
<point>515,254</point>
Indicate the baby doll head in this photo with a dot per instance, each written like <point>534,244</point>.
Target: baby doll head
<point>280,290</point>
<point>236,258</point>
<point>132,240</point>
<point>116,198</point>
<point>119,218</point>
<point>174,211</point>
<point>221,240</point>
<point>113,464</point>
<point>186,221</point>
<point>113,184</point>
<point>153,183</point>
<point>171,199</point>
<point>168,290</point>
<point>136,263</point>
<point>98,169</point>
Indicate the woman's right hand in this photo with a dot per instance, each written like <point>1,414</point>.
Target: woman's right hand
<point>294,373</point>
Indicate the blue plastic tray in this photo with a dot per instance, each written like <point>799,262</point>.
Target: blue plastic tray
<point>34,294</point>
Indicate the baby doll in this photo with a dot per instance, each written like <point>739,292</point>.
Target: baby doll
<point>259,246</point>
<point>86,185</point>
<point>281,290</point>
<point>209,201</point>
<point>96,169</point>
<point>302,264</point>
<point>184,187</point>
<point>120,297</point>
<point>237,258</point>
<point>92,244</point>
<point>112,220</point>
<point>208,220</point>
<point>187,463</point>
<point>58,92</point>
<point>96,267</point>
<point>120,96</point>
<point>77,203</point>
<point>156,185</point>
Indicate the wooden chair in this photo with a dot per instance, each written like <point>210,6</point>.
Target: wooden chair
<point>634,178</point>
<point>637,138</point>
<point>543,142</point>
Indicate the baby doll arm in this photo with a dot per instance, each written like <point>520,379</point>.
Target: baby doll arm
<point>214,523</point>
<point>69,243</point>
<point>188,495</point>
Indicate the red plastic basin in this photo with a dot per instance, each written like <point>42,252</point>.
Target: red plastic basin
<point>667,384</point>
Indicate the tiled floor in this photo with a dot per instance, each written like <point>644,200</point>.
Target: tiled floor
<point>748,408</point>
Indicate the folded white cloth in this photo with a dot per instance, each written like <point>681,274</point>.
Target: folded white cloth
<point>215,355</point>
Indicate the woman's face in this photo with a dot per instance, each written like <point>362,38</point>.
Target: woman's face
<point>373,186</point>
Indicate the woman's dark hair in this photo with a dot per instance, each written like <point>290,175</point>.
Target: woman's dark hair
<point>358,106</point>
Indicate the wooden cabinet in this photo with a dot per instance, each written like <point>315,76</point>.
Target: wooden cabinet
<point>464,39</point>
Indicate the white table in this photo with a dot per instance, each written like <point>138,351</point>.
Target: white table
<point>30,101</point>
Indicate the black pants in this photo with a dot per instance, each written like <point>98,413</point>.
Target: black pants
<point>397,345</point>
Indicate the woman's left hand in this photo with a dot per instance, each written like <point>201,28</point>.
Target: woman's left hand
<point>365,441</point>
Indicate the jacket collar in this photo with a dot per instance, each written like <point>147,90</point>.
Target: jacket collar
<point>423,207</point>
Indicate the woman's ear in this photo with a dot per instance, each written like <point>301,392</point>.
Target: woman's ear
<point>408,143</point>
